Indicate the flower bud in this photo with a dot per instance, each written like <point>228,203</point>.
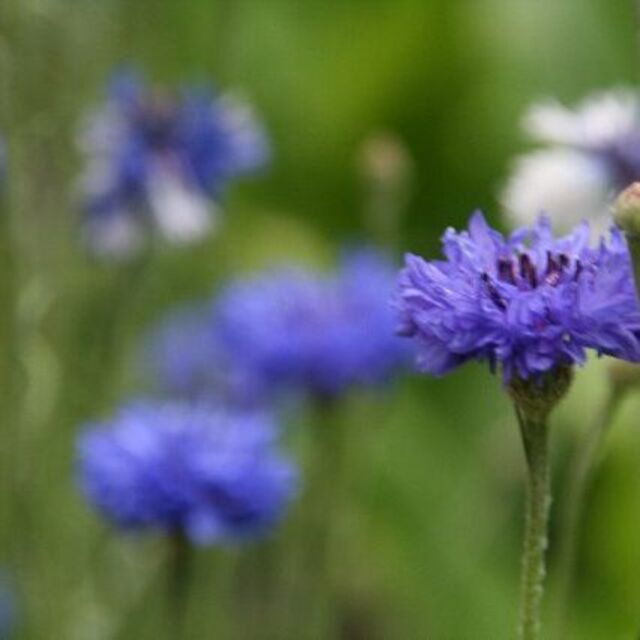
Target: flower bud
<point>627,210</point>
<point>627,217</point>
<point>623,375</point>
<point>386,169</point>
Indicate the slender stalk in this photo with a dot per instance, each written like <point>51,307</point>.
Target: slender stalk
<point>579,483</point>
<point>178,585</point>
<point>386,170</point>
<point>325,475</point>
<point>128,288</point>
<point>311,596</point>
<point>535,439</point>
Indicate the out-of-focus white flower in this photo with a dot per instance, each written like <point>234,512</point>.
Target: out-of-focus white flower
<point>593,152</point>
<point>182,214</point>
<point>563,181</point>
<point>601,120</point>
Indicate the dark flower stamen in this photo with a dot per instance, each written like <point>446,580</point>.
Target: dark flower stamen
<point>506,271</point>
<point>527,270</point>
<point>554,269</point>
<point>495,296</point>
<point>578,270</point>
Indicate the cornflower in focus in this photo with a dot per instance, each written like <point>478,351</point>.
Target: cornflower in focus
<point>160,160</point>
<point>207,474</point>
<point>529,303</point>
<point>302,331</point>
<point>590,154</point>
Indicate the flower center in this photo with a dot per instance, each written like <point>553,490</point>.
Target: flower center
<point>521,272</point>
<point>157,123</point>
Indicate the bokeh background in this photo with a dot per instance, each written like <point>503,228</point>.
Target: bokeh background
<point>431,536</point>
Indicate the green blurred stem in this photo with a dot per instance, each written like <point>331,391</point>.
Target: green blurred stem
<point>325,485</point>
<point>535,438</point>
<point>179,574</point>
<point>579,483</point>
<point>128,284</point>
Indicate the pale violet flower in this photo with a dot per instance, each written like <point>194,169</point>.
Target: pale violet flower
<point>158,160</point>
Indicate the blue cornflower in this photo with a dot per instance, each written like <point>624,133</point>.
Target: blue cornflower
<point>209,474</point>
<point>528,302</point>
<point>302,331</point>
<point>161,160</point>
<point>184,357</point>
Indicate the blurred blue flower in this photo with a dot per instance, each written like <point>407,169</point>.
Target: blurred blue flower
<point>213,475</point>
<point>529,302</point>
<point>9,610</point>
<point>160,160</point>
<point>303,331</point>
<point>591,153</point>
<point>184,357</point>
<point>3,162</point>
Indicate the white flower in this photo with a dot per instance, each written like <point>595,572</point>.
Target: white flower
<point>591,153</point>
<point>183,214</point>
<point>599,121</point>
<point>568,185</point>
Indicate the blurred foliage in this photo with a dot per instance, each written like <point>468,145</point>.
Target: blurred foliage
<point>435,465</point>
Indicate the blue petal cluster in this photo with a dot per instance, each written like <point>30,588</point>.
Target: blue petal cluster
<point>303,331</point>
<point>209,474</point>
<point>183,356</point>
<point>157,160</point>
<point>528,302</point>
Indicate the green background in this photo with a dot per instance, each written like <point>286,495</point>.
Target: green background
<point>432,529</point>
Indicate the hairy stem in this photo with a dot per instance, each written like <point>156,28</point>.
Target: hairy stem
<point>535,440</point>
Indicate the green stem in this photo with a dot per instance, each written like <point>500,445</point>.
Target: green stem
<point>579,483</point>
<point>326,472</point>
<point>178,584</point>
<point>535,439</point>
<point>311,601</point>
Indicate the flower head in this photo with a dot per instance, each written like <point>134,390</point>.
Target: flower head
<point>592,153</point>
<point>299,330</point>
<point>210,474</point>
<point>183,356</point>
<point>529,302</point>
<point>160,160</point>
